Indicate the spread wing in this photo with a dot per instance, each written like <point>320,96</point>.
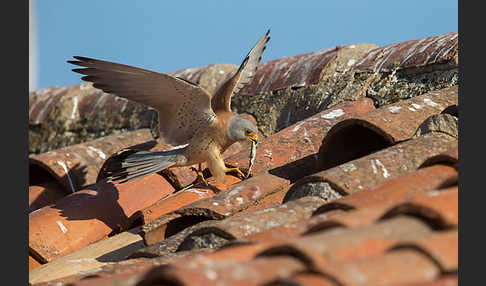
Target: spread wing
<point>222,98</point>
<point>183,107</point>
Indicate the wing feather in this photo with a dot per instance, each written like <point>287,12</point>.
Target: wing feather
<point>183,107</point>
<point>222,98</point>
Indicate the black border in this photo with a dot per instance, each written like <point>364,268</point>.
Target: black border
<point>471,143</point>
<point>14,122</point>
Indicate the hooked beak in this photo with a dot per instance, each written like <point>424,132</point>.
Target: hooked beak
<point>253,139</point>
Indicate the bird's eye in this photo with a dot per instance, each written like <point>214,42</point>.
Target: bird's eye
<point>248,132</point>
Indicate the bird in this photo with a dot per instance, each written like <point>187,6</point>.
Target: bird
<point>188,115</point>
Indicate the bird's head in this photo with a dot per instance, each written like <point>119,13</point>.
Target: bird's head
<point>240,129</point>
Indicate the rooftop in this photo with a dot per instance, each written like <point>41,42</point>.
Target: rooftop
<point>355,180</point>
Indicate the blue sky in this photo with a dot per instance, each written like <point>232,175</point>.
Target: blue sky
<point>166,36</point>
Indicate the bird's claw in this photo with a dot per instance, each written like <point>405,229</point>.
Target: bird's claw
<point>238,172</point>
<point>200,177</point>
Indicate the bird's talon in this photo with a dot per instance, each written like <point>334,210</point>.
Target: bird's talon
<point>239,173</point>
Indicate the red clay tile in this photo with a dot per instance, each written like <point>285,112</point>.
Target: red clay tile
<point>237,197</point>
<point>219,233</point>
<point>42,101</point>
<point>442,247</point>
<point>439,208</point>
<point>306,279</point>
<point>440,49</point>
<point>255,272</point>
<point>401,266</point>
<point>292,71</point>
<point>239,252</point>
<point>166,239</point>
<point>222,205</point>
<point>78,165</point>
<point>396,190</point>
<point>33,263</point>
<point>381,127</point>
<point>149,271</point>
<point>447,280</point>
<point>178,200</point>
<point>449,157</point>
<point>270,201</point>
<point>90,215</point>
<point>291,153</point>
<point>346,244</point>
<point>45,193</point>
<point>389,163</point>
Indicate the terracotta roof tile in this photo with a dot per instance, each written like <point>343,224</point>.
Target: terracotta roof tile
<point>178,200</point>
<point>450,157</point>
<point>395,190</point>
<point>304,279</point>
<point>254,222</point>
<point>446,280</point>
<point>345,244</point>
<point>255,272</point>
<point>291,152</point>
<point>292,71</point>
<point>78,165</point>
<point>441,49</point>
<point>90,215</point>
<point>436,208</point>
<point>442,247</point>
<point>90,258</point>
<point>42,101</point>
<point>439,208</point>
<point>33,263</point>
<point>45,193</point>
<point>351,195</point>
<point>381,127</point>
<point>401,266</point>
<point>224,204</point>
<point>373,169</point>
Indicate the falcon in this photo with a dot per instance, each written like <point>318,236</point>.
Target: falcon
<point>188,115</point>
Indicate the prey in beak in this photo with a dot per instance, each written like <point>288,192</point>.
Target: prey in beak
<point>254,142</point>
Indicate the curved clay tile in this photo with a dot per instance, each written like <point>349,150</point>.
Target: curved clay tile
<point>442,122</point>
<point>442,49</point>
<point>291,153</point>
<point>233,228</point>
<point>292,71</point>
<point>178,200</point>
<point>394,190</point>
<point>366,133</point>
<point>449,157</point>
<point>78,165</point>
<point>389,163</point>
<point>438,208</point>
<point>441,246</point>
<point>222,205</point>
<point>89,215</point>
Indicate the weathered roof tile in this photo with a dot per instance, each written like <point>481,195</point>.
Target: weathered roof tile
<point>90,215</point>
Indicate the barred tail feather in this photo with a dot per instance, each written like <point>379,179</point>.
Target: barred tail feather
<point>129,165</point>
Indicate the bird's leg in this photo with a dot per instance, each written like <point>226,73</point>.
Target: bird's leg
<point>237,170</point>
<point>200,176</point>
<point>199,180</point>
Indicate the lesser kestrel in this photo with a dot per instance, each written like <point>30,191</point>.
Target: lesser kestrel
<point>188,114</point>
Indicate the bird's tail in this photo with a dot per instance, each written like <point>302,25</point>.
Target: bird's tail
<point>128,165</point>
